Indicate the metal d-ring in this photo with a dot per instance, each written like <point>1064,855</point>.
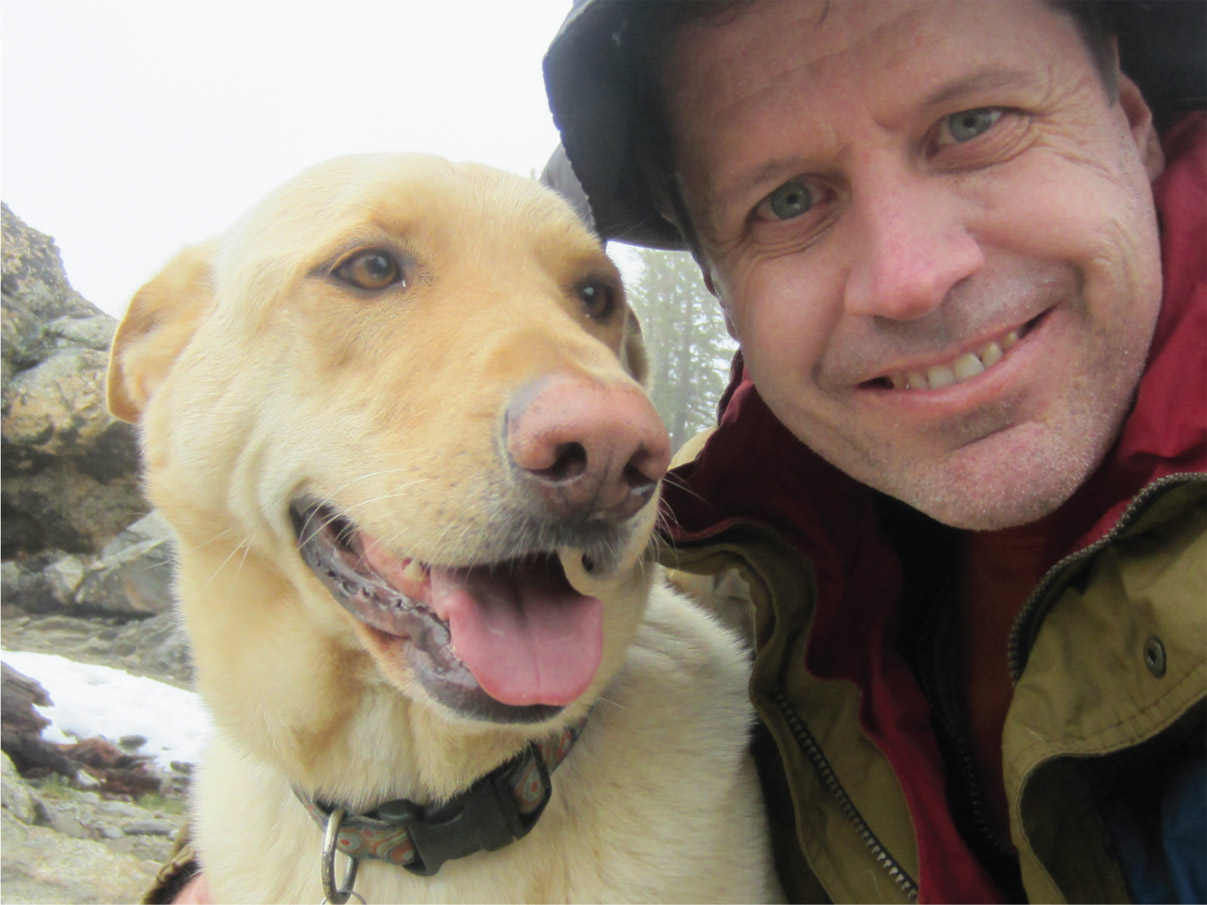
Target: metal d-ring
<point>337,895</point>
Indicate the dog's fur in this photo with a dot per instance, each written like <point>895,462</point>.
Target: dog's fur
<point>258,377</point>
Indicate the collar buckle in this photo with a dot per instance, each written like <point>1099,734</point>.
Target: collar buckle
<point>484,817</point>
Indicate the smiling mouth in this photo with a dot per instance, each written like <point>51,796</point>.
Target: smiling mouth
<point>507,642</point>
<point>963,367</point>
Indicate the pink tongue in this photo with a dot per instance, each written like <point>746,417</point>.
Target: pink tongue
<point>527,636</point>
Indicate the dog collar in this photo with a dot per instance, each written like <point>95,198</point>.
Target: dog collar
<point>499,808</point>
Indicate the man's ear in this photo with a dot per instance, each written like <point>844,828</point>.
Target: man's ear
<point>1144,133</point>
<point>632,354</point>
<point>157,326</point>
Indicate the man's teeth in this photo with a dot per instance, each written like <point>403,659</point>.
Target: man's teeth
<point>958,370</point>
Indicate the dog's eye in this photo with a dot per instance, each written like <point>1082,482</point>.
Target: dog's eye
<point>373,270</point>
<point>598,298</point>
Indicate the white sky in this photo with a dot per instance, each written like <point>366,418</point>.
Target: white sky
<point>131,128</point>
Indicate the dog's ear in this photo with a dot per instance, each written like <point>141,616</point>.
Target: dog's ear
<point>157,326</point>
<point>632,354</point>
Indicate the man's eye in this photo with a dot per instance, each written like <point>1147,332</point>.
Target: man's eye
<point>968,124</point>
<point>790,200</point>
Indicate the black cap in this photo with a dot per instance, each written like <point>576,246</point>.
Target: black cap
<point>588,77</point>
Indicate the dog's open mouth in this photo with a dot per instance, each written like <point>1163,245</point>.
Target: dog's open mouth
<point>510,641</point>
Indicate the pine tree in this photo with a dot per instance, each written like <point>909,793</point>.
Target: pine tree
<point>685,334</point>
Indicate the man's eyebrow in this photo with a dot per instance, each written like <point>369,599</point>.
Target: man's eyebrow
<point>988,79</point>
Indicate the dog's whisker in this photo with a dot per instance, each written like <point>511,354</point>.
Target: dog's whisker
<point>304,533</point>
<point>674,481</point>
<point>367,476</point>
<point>217,538</point>
<point>610,702</point>
<point>245,545</point>
<point>243,558</point>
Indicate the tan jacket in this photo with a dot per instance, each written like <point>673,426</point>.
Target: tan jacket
<point>1113,656</point>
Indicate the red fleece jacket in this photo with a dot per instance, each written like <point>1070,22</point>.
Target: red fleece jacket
<point>752,468</point>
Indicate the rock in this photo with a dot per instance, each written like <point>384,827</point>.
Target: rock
<point>132,578</point>
<point>134,581</point>
<point>85,575</point>
<point>43,583</point>
<point>112,832</point>
<point>57,408</point>
<point>40,865</point>
<point>134,574</point>
<point>21,727</point>
<point>67,825</point>
<point>18,696</point>
<point>15,795</point>
<point>70,470</point>
<point>149,828</point>
<point>94,333</point>
<point>58,506</point>
<point>118,772</point>
<point>151,527</point>
<point>71,636</point>
<point>52,816</point>
<point>36,292</point>
<point>156,647</point>
<point>115,771</point>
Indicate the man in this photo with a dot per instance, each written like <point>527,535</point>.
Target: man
<point>961,465</point>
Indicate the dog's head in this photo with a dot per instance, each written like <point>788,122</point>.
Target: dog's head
<point>400,403</point>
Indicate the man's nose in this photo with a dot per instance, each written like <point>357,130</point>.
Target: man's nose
<point>911,245</point>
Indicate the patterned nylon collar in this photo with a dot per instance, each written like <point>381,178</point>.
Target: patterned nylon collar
<point>497,809</point>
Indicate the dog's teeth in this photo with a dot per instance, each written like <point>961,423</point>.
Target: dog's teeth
<point>414,571</point>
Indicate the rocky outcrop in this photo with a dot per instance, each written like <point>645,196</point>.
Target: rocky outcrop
<point>87,574</point>
<point>78,538</point>
<point>84,822</point>
<point>113,609</point>
<point>63,844</point>
<point>131,577</point>
<point>70,471</point>
<point>155,647</point>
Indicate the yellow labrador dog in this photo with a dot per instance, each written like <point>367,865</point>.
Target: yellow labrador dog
<point>395,418</point>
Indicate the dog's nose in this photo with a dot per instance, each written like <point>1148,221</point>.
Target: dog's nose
<point>585,446</point>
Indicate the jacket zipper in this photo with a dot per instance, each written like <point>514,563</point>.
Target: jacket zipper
<point>1019,648</point>
<point>804,738</point>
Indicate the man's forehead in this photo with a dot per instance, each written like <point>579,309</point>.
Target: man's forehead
<point>908,54</point>
<point>823,34</point>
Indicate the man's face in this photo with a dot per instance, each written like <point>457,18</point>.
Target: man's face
<point>933,233</point>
